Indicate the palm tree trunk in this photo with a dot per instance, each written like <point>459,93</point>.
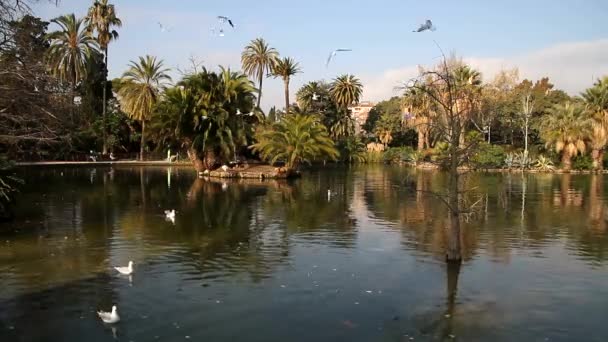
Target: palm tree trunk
<point>196,159</point>
<point>287,95</point>
<point>104,149</point>
<point>566,161</point>
<point>597,155</point>
<point>420,139</point>
<point>143,140</point>
<point>261,76</point>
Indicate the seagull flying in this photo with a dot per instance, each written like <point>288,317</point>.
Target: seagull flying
<point>125,270</point>
<point>109,317</point>
<point>224,19</point>
<point>217,32</point>
<point>164,28</point>
<point>333,54</point>
<point>428,25</point>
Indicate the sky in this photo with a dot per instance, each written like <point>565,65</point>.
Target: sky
<point>564,40</point>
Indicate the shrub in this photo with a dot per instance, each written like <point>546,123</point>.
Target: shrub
<point>488,156</point>
<point>584,162</point>
<point>404,154</point>
<point>544,164</point>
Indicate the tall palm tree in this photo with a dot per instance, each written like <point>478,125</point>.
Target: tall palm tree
<point>139,92</point>
<point>296,139</point>
<point>71,47</point>
<point>346,90</point>
<point>257,59</point>
<point>100,18</point>
<point>596,99</point>
<point>285,68</point>
<point>566,127</point>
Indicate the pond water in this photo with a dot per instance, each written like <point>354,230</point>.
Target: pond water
<point>280,261</point>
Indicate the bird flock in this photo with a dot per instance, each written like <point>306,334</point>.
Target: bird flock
<point>112,317</point>
<point>224,22</point>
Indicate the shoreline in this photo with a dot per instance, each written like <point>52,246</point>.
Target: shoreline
<point>216,174</point>
<point>105,163</point>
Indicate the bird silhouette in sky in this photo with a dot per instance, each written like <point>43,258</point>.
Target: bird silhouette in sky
<point>428,25</point>
<point>334,53</point>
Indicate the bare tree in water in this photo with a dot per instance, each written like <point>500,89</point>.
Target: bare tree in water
<point>452,98</point>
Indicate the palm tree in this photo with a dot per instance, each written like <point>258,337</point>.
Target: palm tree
<point>346,90</point>
<point>596,99</point>
<point>296,139</point>
<point>258,60</point>
<point>139,92</point>
<point>71,47</point>
<point>566,127</point>
<point>215,112</point>
<point>101,17</point>
<point>342,125</point>
<point>285,68</point>
<point>467,89</point>
<point>313,96</point>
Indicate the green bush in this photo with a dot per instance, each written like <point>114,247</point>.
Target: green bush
<point>584,162</point>
<point>488,156</point>
<point>404,154</point>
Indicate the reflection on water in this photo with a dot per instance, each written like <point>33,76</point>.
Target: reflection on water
<point>276,261</point>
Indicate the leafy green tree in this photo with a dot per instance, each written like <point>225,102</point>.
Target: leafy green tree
<point>566,128</point>
<point>285,68</point>
<point>296,139</point>
<point>258,60</point>
<point>140,89</point>
<point>100,18</point>
<point>70,48</point>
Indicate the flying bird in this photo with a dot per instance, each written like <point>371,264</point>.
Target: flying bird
<point>164,28</point>
<point>216,32</point>
<point>109,317</point>
<point>224,19</point>
<point>428,25</point>
<point>333,54</point>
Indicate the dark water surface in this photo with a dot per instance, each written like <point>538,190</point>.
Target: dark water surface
<point>279,262</point>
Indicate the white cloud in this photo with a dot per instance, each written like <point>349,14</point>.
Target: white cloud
<point>570,66</point>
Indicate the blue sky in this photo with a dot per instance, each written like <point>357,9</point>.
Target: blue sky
<point>566,40</point>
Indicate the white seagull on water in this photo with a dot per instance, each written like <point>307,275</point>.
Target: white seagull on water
<point>170,215</point>
<point>125,270</point>
<point>109,317</point>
